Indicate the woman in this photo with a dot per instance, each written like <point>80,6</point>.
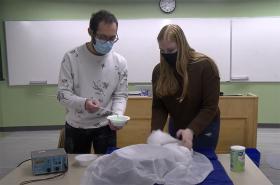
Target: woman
<point>186,85</point>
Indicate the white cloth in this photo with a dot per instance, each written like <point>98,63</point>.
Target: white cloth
<point>84,75</point>
<point>147,164</point>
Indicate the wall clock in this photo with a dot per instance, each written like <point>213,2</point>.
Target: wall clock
<point>167,6</point>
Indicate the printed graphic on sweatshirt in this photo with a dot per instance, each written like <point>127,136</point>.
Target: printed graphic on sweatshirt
<point>74,52</point>
<point>100,87</point>
<point>60,96</point>
<point>122,74</point>
<point>64,83</point>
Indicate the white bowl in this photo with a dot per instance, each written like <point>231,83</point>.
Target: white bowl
<point>118,120</point>
<point>85,159</point>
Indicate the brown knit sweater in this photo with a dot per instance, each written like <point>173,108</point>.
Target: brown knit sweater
<point>198,109</point>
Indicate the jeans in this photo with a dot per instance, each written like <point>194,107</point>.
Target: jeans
<point>79,141</point>
<point>208,139</point>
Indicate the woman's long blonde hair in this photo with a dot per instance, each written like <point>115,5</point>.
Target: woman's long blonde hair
<point>167,83</point>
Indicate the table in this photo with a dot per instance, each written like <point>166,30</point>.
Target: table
<point>251,176</point>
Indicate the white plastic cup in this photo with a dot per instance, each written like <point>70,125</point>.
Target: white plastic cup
<point>237,158</point>
<point>85,159</point>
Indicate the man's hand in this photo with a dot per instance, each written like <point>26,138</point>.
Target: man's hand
<point>92,105</point>
<point>112,127</point>
<point>186,136</point>
<point>115,127</point>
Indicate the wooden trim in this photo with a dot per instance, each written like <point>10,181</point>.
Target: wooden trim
<point>269,125</point>
<point>31,128</point>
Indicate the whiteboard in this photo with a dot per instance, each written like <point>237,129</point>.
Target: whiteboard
<point>35,48</point>
<point>255,49</point>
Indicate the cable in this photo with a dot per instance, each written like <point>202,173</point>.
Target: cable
<point>36,180</point>
<point>23,162</point>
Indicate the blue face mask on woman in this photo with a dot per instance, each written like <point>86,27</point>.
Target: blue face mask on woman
<point>102,47</point>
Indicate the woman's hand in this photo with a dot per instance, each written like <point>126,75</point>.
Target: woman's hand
<point>186,136</point>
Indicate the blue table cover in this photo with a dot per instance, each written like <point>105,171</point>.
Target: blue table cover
<point>218,176</point>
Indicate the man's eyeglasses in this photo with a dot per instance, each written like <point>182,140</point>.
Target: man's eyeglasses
<point>104,38</point>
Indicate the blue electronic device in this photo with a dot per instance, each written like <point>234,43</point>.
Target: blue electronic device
<point>49,161</point>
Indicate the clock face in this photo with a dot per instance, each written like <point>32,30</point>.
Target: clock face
<point>167,6</point>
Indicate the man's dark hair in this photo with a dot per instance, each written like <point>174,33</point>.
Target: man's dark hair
<point>101,16</point>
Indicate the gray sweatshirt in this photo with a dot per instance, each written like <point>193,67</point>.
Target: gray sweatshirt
<point>84,75</point>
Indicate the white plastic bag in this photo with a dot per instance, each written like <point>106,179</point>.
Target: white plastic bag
<point>167,163</point>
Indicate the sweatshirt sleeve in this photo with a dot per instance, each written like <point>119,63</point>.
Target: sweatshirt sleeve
<point>65,91</point>
<point>210,100</point>
<point>159,112</point>
<point>120,95</point>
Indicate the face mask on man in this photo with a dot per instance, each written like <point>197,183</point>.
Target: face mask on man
<point>170,58</point>
<point>101,46</point>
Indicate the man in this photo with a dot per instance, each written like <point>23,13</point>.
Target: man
<point>93,80</point>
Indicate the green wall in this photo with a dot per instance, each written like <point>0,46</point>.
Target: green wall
<point>24,106</point>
